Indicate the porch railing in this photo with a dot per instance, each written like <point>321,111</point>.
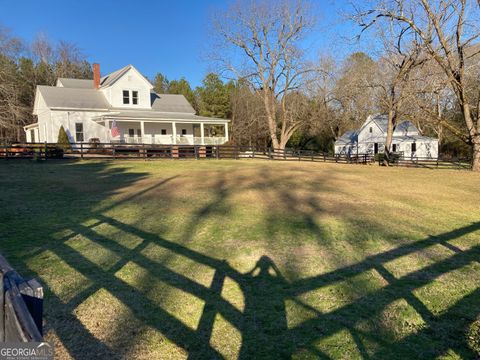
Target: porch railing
<point>169,140</point>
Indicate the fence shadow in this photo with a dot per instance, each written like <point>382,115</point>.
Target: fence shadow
<point>263,322</point>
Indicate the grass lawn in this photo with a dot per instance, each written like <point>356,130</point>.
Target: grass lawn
<point>248,259</point>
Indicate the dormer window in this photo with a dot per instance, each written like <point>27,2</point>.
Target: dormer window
<point>130,97</point>
<point>135,97</point>
<point>126,97</point>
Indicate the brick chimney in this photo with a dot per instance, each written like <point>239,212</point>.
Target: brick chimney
<point>96,75</point>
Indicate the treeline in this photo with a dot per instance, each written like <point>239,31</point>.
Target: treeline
<point>24,66</point>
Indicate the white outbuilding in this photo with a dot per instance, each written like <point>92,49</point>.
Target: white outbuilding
<point>371,137</point>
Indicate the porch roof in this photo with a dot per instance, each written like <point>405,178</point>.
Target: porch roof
<point>157,116</point>
<point>31,126</point>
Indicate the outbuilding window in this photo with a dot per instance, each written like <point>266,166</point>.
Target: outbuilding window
<point>78,132</point>
<point>126,97</point>
<point>371,129</point>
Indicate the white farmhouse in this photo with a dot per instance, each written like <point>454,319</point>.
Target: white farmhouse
<point>371,137</point>
<point>124,99</point>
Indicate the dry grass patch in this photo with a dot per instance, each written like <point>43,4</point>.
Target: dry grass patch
<point>247,259</point>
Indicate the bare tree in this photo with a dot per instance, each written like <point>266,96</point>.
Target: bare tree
<point>260,42</point>
<point>353,94</point>
<point>248,113</point>
<point>448,30</point>
<point>395,86</point>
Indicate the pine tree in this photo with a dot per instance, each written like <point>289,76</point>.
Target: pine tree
<point>63,141</point>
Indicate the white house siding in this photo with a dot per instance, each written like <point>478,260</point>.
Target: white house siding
<point>424,149</point>
<point>156,128</point>
<point>53,121</point>
<point>130,81</point>
<point>32,135</point>
<point>365,136</point>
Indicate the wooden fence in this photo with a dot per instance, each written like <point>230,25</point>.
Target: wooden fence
<point>45,151</point>
<point>21,306</point>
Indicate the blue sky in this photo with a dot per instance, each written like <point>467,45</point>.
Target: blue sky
<point>155,36</point>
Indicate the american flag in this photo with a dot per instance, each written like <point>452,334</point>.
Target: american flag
<point>115,130</point>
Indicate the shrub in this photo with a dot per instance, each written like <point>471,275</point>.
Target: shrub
<point>394,157</point>
<point>63,142</point>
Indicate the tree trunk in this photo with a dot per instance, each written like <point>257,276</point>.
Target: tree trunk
<point>474,135</point>
<point>269,103</point>
<point>476,154</point>
<point>388,140</point>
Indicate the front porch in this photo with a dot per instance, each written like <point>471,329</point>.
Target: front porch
<point>170,140</point>
<point>194,131</point>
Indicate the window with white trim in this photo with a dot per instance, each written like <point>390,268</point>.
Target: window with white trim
<point>78,132</point>
<point>126,97</point>
<point>135,97</point>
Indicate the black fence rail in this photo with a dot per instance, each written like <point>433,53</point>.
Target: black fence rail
<point>45,151</point>
<point>21,306</point>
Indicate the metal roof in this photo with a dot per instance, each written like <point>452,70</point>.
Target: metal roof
<point>156,116</point>
<point>349,137</point>
<point>75,83</point>
<point>404,126</point>
<point>171,103</point>
<point>401,130</point>
<point>109,79</point>
<point>71,98</point>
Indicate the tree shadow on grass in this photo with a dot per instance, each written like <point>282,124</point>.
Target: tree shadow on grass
<point>263,323</point>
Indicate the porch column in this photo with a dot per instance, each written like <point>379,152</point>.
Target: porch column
<point>174,132</point>
<point>142,131</point>
<point>226,132</point>
<point>107,126</point>
<point>202,134</point>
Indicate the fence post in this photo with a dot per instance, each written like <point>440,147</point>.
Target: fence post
<point>195,151</point>
<point>269,154</point>
<point>113,150</point>
<point>45,150</point>
<point>217,152</point>
<point>144,152</point>
<point>324,157</point>
<point>6,152</point>
<point>81,150</point>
